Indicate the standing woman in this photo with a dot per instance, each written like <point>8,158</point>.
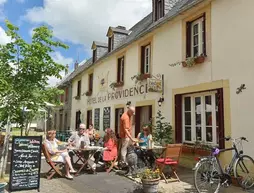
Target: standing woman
<point>59,155</point>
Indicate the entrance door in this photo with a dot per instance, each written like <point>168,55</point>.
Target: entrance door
<point>89,118</point>
<point>143,116</point>
<point>118,114</point>
<point>78,121</point>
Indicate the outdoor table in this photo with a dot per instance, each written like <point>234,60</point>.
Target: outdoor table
<point>153,150</point>
<point>91,149</point>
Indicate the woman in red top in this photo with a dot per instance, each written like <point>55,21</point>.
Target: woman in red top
<point>110,142</point>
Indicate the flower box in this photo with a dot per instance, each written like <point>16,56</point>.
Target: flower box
<point>88,93</point>
<point>202,152</point>
<point>118,84</point>
<point>187,149</point>
<point>199,59</point>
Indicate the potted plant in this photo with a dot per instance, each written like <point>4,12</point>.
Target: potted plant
<point>114,85</point>
<point>202,148</point>
<point>140,77</point>
<point>88,93</point>
<point>150,180</point>
<point>190,61</point>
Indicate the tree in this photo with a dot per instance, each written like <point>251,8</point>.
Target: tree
<point>24,72</point>
<point>162,131</point>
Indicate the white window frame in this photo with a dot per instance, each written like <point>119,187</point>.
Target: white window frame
<point>112,43</point>
<point>121,69</point>
<point>147,59</point>
<point>198,22</point>
<point>203,120</point>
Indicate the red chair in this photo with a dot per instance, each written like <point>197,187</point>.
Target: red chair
<point>170,158</point>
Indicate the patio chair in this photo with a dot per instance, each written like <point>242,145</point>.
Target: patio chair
<point>113,164</point>
<point>170,158</point>
<point>55,166</point>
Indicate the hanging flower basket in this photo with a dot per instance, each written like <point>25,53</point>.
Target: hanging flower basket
<point>114,85</point>
<point>140,77</point>
<point>88,93</point>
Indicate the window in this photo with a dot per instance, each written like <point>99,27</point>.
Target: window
<point>200,117</point>
<point>79,88</point>
<point>94,55</point>
<point>120,69</point>
<point>89,118</point>
<point>110,43</point>
<point>196,37</point>
<point>159,9</point>
<point>66,94</point>
<point>90,83</point>
<point>145,59</point>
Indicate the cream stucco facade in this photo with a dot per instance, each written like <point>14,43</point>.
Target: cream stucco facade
<point>229,42</point>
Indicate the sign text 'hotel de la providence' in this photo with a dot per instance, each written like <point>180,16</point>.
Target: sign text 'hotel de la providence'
<point>119,94</point>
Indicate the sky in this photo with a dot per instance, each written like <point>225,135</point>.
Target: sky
<point>75,22</point>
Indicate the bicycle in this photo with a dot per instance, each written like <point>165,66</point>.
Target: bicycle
<point>214,175</point>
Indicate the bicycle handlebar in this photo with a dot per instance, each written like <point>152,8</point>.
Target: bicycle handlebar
<point>229,138</point>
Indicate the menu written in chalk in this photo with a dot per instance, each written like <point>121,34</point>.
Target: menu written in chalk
<point>97,119</point>
<point>25,163</point>
<point>106,117</point>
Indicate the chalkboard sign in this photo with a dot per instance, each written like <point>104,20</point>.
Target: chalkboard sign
<point>106,117</point>
<point>97,119</point>
<point>25,163</point>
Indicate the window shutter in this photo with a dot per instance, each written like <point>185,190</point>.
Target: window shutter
<point>142,70</point>
<point>118,69</point>
<point>123,69</point>
<point>204,34</point>
<point>137,120</point>
<point>221,129</point>
<point>188,39</point>
<point>178,118</point>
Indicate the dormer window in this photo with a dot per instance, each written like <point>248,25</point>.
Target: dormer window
<point>94,55</point>
<point>110,43</point>
<point>158,9</point>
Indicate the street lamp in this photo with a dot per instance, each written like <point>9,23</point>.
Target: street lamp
<point>160,101</point>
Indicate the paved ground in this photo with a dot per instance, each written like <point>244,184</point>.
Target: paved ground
<point>112,183</point>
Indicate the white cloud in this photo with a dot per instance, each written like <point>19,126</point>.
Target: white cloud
<point>4,39</point>
<point>2,2</point>
<point>82,21</point>
<point>59,58</point>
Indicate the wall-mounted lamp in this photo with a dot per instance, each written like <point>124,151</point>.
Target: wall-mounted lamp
<point>128,104</point>
<point>160,101</point>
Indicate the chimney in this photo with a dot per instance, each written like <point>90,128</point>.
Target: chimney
<point>76,65</point>
<point>121,27</point>
<point>66,69</point>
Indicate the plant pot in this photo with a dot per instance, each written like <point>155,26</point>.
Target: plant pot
<point>202,152</point>
<point>2,186</point>
<point>150,186</point>
<point>199,59</point>
<point>187,150</point>
<point>184,64</point>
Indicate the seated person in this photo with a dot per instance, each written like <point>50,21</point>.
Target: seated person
<point>75,141</point>
<point>110,151</point>
<point>91,132</point>
<point>58,155</point>
<point>145,155</point>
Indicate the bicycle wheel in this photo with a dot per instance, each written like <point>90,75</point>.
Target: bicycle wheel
<point>206,177</point>
<point>244,171</point>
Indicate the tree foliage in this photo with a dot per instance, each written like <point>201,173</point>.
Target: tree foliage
<point>25,68</point>
<point>162,131</point>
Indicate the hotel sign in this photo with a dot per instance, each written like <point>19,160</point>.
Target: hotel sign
<point>154,85</point>
<point>119,94</point>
